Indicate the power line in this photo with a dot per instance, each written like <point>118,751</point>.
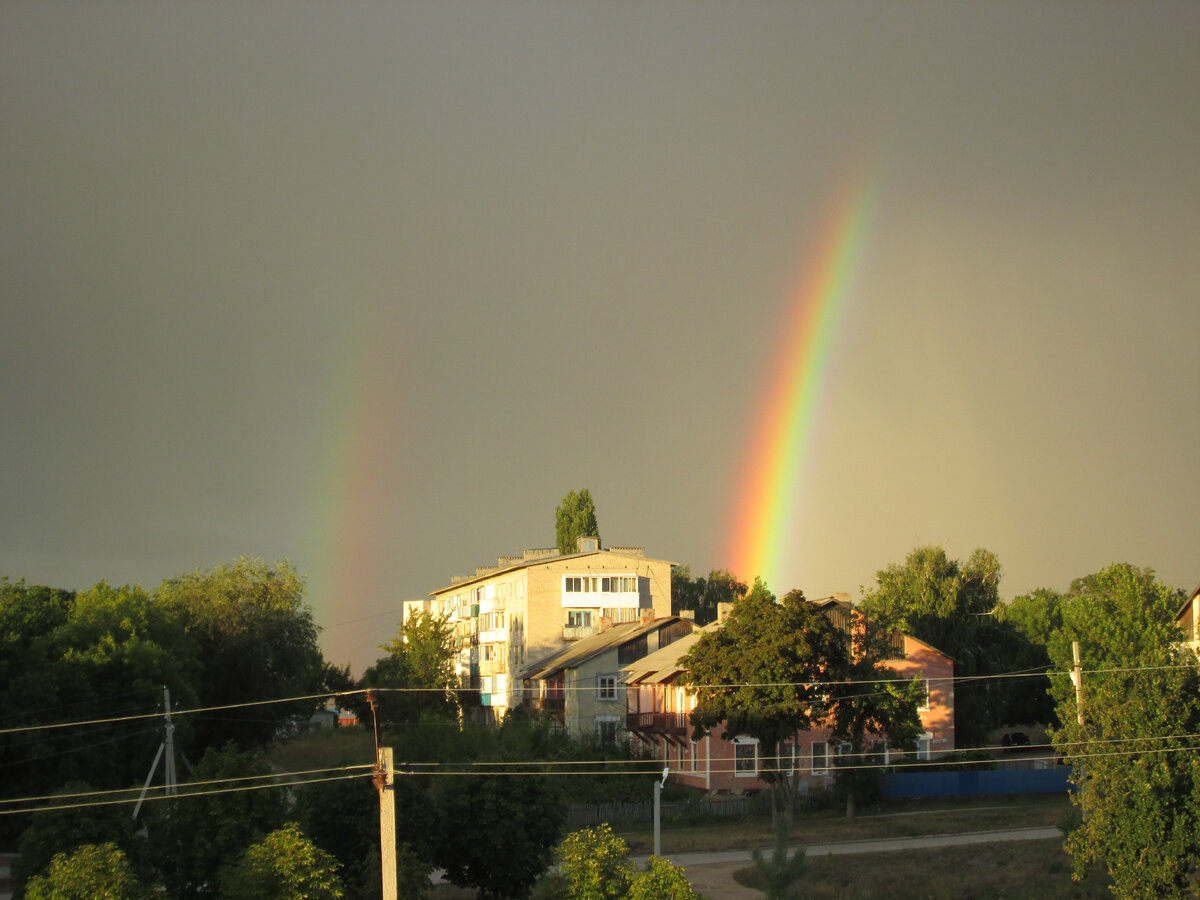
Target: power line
<point>184,794</point>
<point>931,679</point>
<point>180,712</point>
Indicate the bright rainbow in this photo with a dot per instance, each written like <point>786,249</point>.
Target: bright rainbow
<point>781,440</point>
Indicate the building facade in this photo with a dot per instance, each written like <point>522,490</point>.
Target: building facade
<point>582,686</point>
<point>658,707</point>
<point>525,608</point>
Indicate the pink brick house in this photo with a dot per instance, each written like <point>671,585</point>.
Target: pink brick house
<point>657,708</point>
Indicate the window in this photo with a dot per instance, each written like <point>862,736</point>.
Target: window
<point>692,756</point>
<point>787,757</point>
<point>820,757</point>
<point>923,745</point>
<point>924,707</point>
<point>745,757</point>
<point>607,729</point>
<point>606,687</point>
<point>619,584</point>
<point>579,618</point>
<point>620,614</point>
<point>879,753</point>
<point>573,585</point>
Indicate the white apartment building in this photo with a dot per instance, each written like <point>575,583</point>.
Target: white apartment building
<point>524,608</point>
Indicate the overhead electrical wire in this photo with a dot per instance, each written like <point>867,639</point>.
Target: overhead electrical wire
<point>957,679</point>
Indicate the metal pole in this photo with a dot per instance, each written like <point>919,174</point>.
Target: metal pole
<point>657,818</point>
<point>658,786</point>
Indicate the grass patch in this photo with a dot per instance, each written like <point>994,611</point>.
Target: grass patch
<point>324,749</point>
<point>1024,870</point>
<point>900,818</point>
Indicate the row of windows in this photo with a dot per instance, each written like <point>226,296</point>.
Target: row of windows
<point>745,755</point>
<point>605,584</point>
<point>585,618</point>
<point>501,591</point>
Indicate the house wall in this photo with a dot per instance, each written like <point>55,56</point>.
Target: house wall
<point>716,767</point>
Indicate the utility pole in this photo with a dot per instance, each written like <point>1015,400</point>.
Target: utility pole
<point>385,781</point>
<point>168,747</point>
<point>1077,679</point>
<point>384,778</point>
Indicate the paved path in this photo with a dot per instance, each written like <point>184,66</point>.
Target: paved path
<point>878,845</point>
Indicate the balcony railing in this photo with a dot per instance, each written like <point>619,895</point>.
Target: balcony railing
<point>493,666</point>
<point>578,632</point>
<point>657,722</point>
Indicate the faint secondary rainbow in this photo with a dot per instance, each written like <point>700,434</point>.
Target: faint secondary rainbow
<point>781,437</point>
<point>354,469</point>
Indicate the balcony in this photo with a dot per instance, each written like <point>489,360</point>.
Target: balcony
<point>657,722</point>
<point>493,666</point>
<point>578,632</point>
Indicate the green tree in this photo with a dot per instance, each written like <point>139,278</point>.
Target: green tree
<point>34,687</point>
<point>54,832</point>
<point>704,595</point>
<point>594,865</point>
<point>781,874</point>
<point>762,675</point>
<point>1037,615</point>
<point>193,837</point>
<point>497,832</point>
<point>284,865</point>
<point>662,880</point>
<point>1141,703</point>
<point>90,872</point>
<point>956,608</point>
<point>420,660</point>
<point>256,640</point>
<point>873,701</point>
<point>575,518</point>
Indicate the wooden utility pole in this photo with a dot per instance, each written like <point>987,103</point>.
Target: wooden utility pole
<point>1077,678</point>
<point>385,781</point>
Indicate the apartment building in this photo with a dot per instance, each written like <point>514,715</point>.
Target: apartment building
<point>582,686</point>
<point>527,607</point>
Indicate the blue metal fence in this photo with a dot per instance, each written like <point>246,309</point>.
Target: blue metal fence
<point>977,783</point>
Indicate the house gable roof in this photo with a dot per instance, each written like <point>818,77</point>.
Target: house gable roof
<point>593,645</point>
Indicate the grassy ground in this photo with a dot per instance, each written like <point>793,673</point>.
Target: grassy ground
<point>1024,870</point>
<point>1021,870</point>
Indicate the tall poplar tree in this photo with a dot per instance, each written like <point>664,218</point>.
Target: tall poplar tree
<point>575,518</point>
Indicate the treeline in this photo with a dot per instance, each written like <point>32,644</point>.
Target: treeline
<point>221,642</point>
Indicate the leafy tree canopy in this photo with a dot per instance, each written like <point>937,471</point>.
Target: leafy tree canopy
<point>192,838</point>
<point>575,518</point>
<point>285,865</point>
<point>594,865</point>
<point>1141,699</point>
<point>90,872</point>
<point>704,595</point>
<point>955,607</point>
<point>758,674</point>
<point>522,817</point>
<point>257,641</point>
<point>419,659</point>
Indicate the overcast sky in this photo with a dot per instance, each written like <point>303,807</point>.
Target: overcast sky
<point>371,286</point>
